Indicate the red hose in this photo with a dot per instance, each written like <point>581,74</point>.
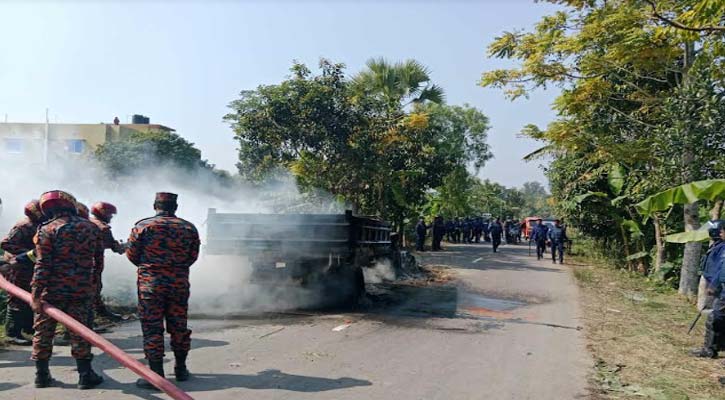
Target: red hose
<point>103,344</point>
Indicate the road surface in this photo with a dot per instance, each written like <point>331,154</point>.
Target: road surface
<point>506,327</point>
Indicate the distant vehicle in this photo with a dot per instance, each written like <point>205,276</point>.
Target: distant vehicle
<point>318,251</point>
<point>530,222</point>
<point>487,215</point>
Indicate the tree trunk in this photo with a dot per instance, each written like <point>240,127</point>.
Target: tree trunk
<point>659,242</point>
<point>716,210</point>
<point>689,276</point>
<point>691,258</point>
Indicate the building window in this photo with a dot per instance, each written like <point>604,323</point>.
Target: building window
<point>14,145</point>
<point>76,146</point>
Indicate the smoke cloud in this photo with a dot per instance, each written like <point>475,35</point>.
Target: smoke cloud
<point>219,284</point>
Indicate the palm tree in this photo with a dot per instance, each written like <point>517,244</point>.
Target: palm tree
<point>403,83</point>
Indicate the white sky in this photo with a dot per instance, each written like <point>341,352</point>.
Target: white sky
<point>181,63</point>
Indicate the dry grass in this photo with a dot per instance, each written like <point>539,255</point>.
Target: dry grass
<point>637,332</point>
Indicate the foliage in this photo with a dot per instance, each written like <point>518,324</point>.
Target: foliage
<point>463,195</point>
<point>403,83</point>
<point>141,151</point>
<point>641,107</point>
<point>713,189</point>
<point>380,141</point>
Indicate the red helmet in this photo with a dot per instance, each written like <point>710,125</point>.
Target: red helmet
<point>103,210</point>
<point>32,211</point>
<point>56,200</point>
<point>82,210</point>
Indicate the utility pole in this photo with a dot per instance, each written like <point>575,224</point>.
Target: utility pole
<point>46,139</point>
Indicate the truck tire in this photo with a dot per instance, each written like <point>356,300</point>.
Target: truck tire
<point>344,287</point>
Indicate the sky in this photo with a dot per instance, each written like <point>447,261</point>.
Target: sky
<point>181,62</point>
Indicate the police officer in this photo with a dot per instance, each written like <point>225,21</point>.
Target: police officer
<point>450,230</point>
<point>163,248</point>
<point>420,232</point>
<point>18,246</point>
<point>557,236</point>
<point>67,250</point>
<point>713,274</point>
<point>457,230</point>
<point>496,231</point>
<point>102,213</point>
<point>439,229</point>
<point>540,234</point>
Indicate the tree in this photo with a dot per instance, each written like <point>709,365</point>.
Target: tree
<point>535,199</point>
<point>366,145</point>
<point>401,83</point>
<point>145,150</point>
<point>621,65</point>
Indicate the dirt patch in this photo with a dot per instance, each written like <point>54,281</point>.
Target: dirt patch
<point>637,332</point>
<point>432,275</point>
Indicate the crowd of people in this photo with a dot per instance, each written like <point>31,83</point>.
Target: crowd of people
<point>467,230</point>
<point>56,254</point>
<point>471,230</point>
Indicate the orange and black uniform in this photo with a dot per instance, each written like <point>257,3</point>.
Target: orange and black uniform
<point>18,242</point>
<point>108,243</point>
<point>68,249</point>
<point>163,247</point>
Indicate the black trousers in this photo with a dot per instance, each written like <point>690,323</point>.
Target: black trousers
<point>557,247</point>
<point>540,248</point>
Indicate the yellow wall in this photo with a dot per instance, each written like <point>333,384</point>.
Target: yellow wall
<point>32,137</point>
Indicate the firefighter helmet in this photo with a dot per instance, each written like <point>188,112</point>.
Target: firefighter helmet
<point>103,211</point>
<point>56,200</point>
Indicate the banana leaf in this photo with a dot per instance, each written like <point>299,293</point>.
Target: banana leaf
<point>579,199</point>
<point>685,237</point>
<point>615,179</point>
<point>713,189</point>
<point>636,256</point>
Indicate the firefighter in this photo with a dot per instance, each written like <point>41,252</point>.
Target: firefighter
<point>163,248</point>
<point>67,248</point>
<point>18,246</point>
<point>102,213</point>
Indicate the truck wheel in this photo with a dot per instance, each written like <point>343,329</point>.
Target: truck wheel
<point>344,287</point>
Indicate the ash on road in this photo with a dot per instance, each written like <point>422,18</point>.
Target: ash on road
<point>506,327</point>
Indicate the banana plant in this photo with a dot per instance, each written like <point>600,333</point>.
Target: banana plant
<point>709,190</point>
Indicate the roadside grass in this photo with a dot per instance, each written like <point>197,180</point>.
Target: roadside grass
<point>637,333</point>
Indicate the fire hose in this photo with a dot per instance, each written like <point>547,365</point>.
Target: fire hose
<point>98,341</point>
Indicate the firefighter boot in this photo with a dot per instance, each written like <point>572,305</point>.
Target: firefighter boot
<point>42,374</point>
<point>156,366</point>
<point>87,377</point>
<point>180,370</point>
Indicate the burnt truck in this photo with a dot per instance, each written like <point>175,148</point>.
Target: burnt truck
<point>326,252</point>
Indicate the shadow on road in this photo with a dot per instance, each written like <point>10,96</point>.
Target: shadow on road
<point>270,379</point>
<point>8,386</point>
<point>481,257</point>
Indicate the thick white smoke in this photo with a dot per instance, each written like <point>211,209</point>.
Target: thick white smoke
<point>219,284</point>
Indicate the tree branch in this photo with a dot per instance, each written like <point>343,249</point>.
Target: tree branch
<point>679,25</point>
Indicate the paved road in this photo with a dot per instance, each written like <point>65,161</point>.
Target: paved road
<point>505,328</point>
